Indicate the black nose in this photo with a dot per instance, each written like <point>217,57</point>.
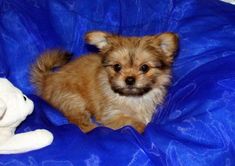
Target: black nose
<point>130,80</point>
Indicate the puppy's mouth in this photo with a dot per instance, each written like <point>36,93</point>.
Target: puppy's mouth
<point>131,91</point>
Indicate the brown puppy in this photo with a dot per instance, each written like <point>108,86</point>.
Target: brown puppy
<point>121,85</point>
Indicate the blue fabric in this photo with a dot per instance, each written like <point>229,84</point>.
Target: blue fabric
<point>195,125</point>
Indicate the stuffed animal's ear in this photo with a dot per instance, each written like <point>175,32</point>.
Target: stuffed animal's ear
<point>3,108</point>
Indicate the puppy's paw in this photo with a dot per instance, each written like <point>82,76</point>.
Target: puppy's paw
<point>87,128</point>
<point>139,126</point>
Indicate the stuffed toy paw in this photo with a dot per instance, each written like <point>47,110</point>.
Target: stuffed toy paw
<point>14,108</point>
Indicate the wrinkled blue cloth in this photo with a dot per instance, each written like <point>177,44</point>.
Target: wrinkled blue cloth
<point>195,125</point>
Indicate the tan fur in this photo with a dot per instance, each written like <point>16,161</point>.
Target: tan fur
<point>90,87</point>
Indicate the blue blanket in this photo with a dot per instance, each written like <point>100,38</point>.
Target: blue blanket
<point>195,125</point>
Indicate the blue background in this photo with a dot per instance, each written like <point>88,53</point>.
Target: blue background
<point>195,125</point>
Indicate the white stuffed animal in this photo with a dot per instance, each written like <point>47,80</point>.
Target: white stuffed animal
<point>14,108</point>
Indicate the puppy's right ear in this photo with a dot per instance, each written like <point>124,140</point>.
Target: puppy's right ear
<point>3,108</point>
<point>97,38</point>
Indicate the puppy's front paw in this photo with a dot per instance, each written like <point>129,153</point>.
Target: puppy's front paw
<point>87,128</point>
<point>139,126</point>
<point>43,137</point>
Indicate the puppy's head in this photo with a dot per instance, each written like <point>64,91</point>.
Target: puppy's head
<point>135,65</point>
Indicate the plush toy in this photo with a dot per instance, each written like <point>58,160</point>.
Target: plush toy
<point>14,108</point>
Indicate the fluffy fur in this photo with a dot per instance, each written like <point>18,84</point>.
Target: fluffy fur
<point>120,85</point>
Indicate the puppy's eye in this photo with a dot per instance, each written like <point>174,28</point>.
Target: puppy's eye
<point>24,98</point>
<point>144,68</point>
<point>117,67</point>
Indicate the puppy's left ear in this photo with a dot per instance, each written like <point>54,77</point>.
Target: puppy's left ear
<point>97,38</point>
<point>167,42</point>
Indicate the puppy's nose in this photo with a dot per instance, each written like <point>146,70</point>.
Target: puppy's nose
<point>130,80</point>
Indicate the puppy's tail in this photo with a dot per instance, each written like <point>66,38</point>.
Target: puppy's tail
<point>44,65</point>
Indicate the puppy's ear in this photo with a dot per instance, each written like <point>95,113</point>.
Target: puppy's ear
<point>167,43</point>
<point>3,108</point>
<point>97,38</point>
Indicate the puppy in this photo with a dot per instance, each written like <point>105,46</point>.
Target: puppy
<point>120,85</point>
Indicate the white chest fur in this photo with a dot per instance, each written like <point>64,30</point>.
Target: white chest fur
<point>141,108</point>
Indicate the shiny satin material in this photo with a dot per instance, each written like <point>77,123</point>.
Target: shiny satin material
<point>196,123</point>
